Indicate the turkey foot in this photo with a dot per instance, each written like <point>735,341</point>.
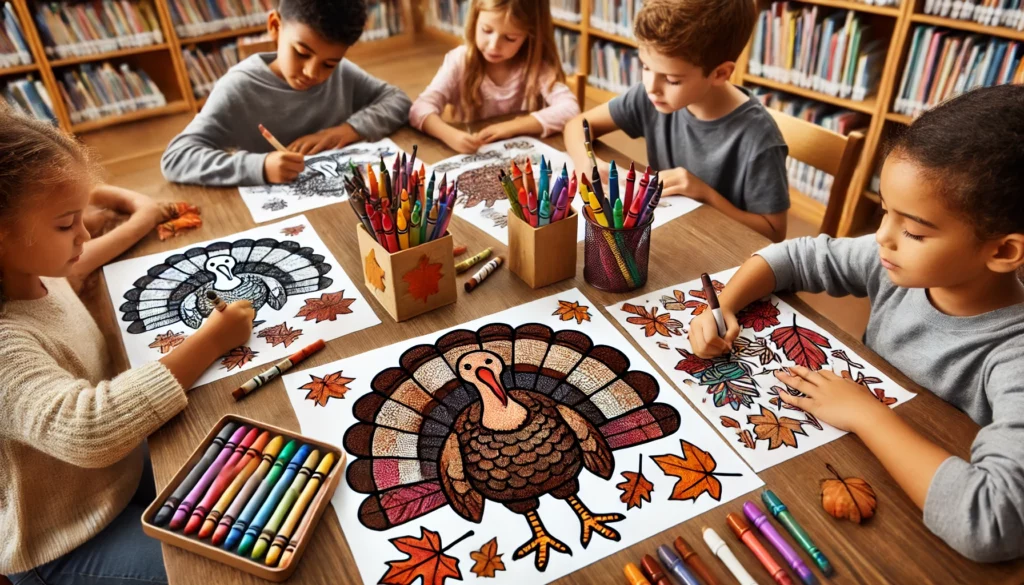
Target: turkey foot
<point>591,523</point>
<point>541,542</point>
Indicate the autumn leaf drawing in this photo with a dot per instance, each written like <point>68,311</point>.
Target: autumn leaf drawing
<point>678,302</point>
<point>801,345</point>
<point>759,315</point>
<point>652,322</point>
<point>747,439</point>
<point>716,284</point>
<point>326,308</point>
<point>374,273</point>
<point>238,357</point>
<point>776,430</point>
<point>488,561</point>
<point>729,381</point>
<point>423,280</point>
<point>165,342</point>
<point>696,473</point>
<point>866,381</point>
<point>426,560</point>
<point>330,386</point>
<point>756,348</point>
<point>293,230</point>
<point>280,335</point>
<point>636,488</point>
<point>729,422</point>
<point>840,354</point>
<point>568,310</point>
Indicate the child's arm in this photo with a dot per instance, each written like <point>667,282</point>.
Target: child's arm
<point>601,123</point>
<point>561,107</point>
<point>682,182</point>
<point>425,114</point>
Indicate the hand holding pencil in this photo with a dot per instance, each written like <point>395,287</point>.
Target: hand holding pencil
<point>282,165</point>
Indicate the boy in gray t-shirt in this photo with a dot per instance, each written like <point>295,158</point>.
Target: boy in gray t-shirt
<point>709,140</point>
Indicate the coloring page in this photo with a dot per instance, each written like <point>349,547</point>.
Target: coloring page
<point>298,289</point>
<point>319,185</point>
<point>519,447</point>
<point>739,393</point>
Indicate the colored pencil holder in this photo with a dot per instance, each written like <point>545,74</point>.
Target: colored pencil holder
<point>543,255</point>
<point>206,549</point>
<point>615,260</point>
<point>410,282</point>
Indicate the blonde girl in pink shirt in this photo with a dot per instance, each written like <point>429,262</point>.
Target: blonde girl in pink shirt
<point>508,64</point>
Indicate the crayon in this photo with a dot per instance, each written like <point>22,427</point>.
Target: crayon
<point>443,229</point>
<point>517,177</point>
<point>185,507</point>
<point>531,186</point>
<point>235,491</point>
<point>252,445</point>
<point>652,205</point>
<point>561,209</point>
<point>484,272</point>
<point>531,199</point>
<point>374,184</point>
<point>641,186</point>
<point>676,566</point>
<point>712,298</point>
<point>282,509</point>
<point>785,517</point>
<point>414,227</point>
<point>542,179</point>
<point>403,231</point>
<point>634,576</point>
<point>389,234</point>
<point>272,140</point>
<point>248,489</point>
<point>427,206</point>
<point>588,142</point>
<point>721,550</point>
<point>524,205</point>
<point>278,369</point>
<point>653,571</point>
<point>268,505</point>
<point>167,509</point>
<point>470,262</point>
<point>573,186</point>
<point>630,180</point>
<point>459,250</point>
<point>287,529</point>
<point>633,215</point>
<point>595,205</point>
<point>598,189</point>
<point>545,213</point>
<point>431,222</point>
<point>617,214</point>
<point>760,521</point>
<point>742,531</point>
<point>254,503</point>
<point>378,228</point>
<point>695,562</point>
<point>439,226</point>
<point>613,185</point>
<point>218,303</point>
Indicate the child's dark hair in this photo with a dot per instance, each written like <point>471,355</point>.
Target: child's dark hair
<point>972,149</point>
<point>337,21</point>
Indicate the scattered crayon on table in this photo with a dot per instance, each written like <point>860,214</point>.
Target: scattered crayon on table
<point>653,571</point>
<point>278,369</point>
<point>724,554</point>
<point>634,576</point>
<point>484,272</point>
<point>692,559</point>
<point>760,521</point>
<point>472,261</point>
<point>674,565</point>
<point>743,532</point>
<point>785,517</point>
<point>459,250</point>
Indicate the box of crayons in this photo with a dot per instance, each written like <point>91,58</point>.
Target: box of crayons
<point>250,496</point>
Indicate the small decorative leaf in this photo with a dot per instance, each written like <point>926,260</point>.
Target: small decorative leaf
<point>165,342</point>
<point>293,230</point>
<point>280,334</point>
<point>423,280</point>
<point>729,422</point>
<point>696,473</point>
<point>777,431</point>
<point>374,273</point>
<point>426,560</point>
<point>652,322</point>
<point>636,488</point>
<point>801,345</point>
<point>238,357</point>
<point>568,310</point>
<point>747,439</point>
<point>759,315</point>
<point>326,308</point>
<point>330,386</point>
<point>488,561</point>
<point>851,498</point>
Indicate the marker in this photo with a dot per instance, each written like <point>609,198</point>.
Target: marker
<point>253,505</point>
<point>268,506</point>
<point>742,531</point>
<point>167,510</point>
<point>712,298</point>
<point>634,576</point>
<point>760,521</point>
<point>238,484</point>
<point>676,566</point>
<point>272,140</point>
<point>186,505</point>
<point>785,517</point>
<point>252,445</point>
<point>218,303</point>
<point>484,272</point>
<point>470,262</point>
<point>280,368</point>
<point>251,485</point>
<point>653,571</point>
<point>285,506</point>
<point>694,561</point>
<point>721,550</point>
<point>295,515</point>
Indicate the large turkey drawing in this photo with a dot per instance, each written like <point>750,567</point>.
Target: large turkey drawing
<point>265,271</point>
<point>500,414</point>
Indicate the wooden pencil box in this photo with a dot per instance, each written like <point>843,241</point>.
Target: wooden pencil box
<point>204,548</point>
<point>410,282</point>
<point>542,255</point>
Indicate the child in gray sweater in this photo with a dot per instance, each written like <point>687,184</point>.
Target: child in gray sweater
<point>306,94</point>
<point>947,309</point>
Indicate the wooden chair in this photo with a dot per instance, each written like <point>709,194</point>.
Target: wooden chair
<point>823,149</point>
<point>248,50</point>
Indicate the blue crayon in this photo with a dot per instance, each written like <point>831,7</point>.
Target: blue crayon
<point>675,566</point>
<point>270,504</point>
<point>253,506</point>
<point>542,179</point>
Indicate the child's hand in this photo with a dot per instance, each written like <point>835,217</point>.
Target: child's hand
<point>494,132</point>
<point>231,327</point>
<point>680,181</point>
<point>704,338</point>
<point>283,167</point>
<point>327,139</point>
<point>151,212</point>
<point>835,400</point>
<point>463,142</point>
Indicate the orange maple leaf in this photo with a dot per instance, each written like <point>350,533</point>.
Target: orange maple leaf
<point>238,357</point>
<point>695,470</point>
<point>293,230</point>
<point>488,561</point>
<point>279,334</point>
<point>165,342</point>
<point>374,273</point>
<point>188,220</point>
<point>326,308</point>
<point>569,310</point>
<point>330,386</point>
<point>426,560</point>
<point>778,431</point>
<point>652,322</point>
<point>423,280</point>
<point>636,488</point>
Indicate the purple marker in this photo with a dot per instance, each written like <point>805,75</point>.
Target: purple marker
<point>675,566</point>
<point>185,508</point>
<point>760,520</point>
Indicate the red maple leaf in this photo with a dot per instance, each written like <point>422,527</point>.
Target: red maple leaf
<point>165,342</point>
<point>691,364</point>
<point>427,560</point>
<point>801,345</point>
<point>759,315</point>
<point>423,280</point>
<point>279,334</point>
<point>294,230</point>
<point>326,308</point>
<point>238,357</point>
<point>330,386</point>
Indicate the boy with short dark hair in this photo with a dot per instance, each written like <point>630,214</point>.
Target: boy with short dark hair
<point>307,94</point>
<point>710,140</point>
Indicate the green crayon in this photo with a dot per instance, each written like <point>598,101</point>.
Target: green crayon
<point>782,514</point>
<point>617,214</point>
<point>270,530</point>
<point>253,506</point>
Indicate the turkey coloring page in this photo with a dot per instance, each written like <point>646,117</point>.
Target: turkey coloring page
<point>297,287</point>
<point>319,185</point>
<point>520,447</point>
<point>740,392</point>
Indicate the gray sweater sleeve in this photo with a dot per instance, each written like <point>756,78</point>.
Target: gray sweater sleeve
<point>840,266</point>
<point>380,108</point>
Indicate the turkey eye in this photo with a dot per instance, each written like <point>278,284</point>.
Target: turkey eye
<point>488,361</point>
<point>467,367</point>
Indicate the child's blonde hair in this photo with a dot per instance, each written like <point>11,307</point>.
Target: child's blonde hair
<point>534,17</point>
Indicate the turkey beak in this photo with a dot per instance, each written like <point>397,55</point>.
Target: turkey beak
<point>487,377</point>
<point>223,269</point>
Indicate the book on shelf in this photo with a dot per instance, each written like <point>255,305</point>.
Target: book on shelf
<point>206,65</point>
<point>813,47</point>
<point>384,19</point>
<point>193,18</point>
<point>568,43</point>
<point>448,15</point>
<point>813,182</point>
<point>567,10</point>
<point>29,96</point>
<point>14,49</point>
<point>92,92</point>
<point>76,29</point>
<point>1004,13</point>
<point>613,67</point>
<point>942,64</point>
<point>615,16</point>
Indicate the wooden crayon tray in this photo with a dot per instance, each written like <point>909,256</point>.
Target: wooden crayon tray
<point>204,548</point>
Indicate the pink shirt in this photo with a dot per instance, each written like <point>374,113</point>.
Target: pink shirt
<point>498,100</point>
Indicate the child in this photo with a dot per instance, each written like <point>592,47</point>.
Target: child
<point>306,94</point>
<point>71,438</point>
<point>508,64</point>
<point>947,309</point>
<point>712,141</point>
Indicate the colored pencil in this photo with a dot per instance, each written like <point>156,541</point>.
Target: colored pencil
<point>272,140</point>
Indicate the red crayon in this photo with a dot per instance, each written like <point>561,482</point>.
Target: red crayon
<point>378,228</point>
<point>742,530</point>
<point>633,215</point>
<point>389,233</point>
<point>653,571</point>
<point>572,187</point>
<point>517,177</point>
<point>531,198</point>
<point>227,475</point>
<point>531,187</point>
<point>627,201</point>
<point>641,186</point>
<point>524,202</point>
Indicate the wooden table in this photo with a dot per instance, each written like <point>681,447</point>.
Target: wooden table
<point>893,547</point>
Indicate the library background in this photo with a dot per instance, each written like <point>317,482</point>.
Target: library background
<point>842,64</point>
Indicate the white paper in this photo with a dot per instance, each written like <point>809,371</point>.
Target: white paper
<point>372,549</point>
<point>321,184</point>
<point>482,202</point>
<point>679,302</point>
<point>302,255</point>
